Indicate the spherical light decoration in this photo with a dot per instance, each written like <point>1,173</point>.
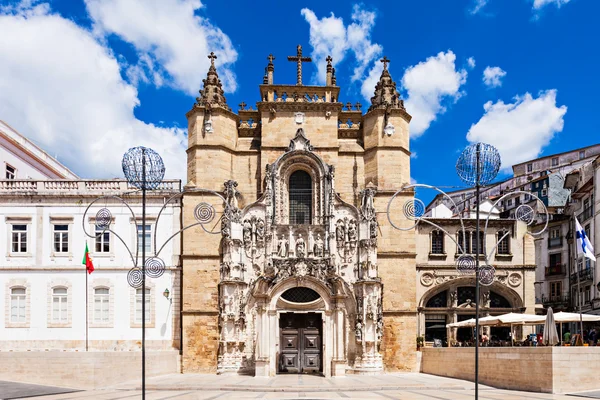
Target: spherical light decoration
<point>414,209</point>
<point>489,164</point>
<point>133,167</point>
<point>134,277</point>
<point>154,267</point>
<point>103,218</point>
<point>465,265</point>
<point>525,214</point>
<point>204,213</point>
<point>486,275</point>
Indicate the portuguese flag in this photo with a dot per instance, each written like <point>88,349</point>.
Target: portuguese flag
<point>87,260</point>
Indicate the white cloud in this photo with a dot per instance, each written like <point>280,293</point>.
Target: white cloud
<point>413,154</point>
<point>520,129</point>
<point>492,76</point>
<point>478,5</point>
<point>359,40</point>
<point>428,84</point>
<point>330,36</point>
<point>538,4</point>
<point>63,89</point>
<point>367,89</point>
<point>327,37</point>
<point>171,40</point>
<point>471,62</point>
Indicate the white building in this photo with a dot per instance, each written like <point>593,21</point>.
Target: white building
<point>20,158</point>
<point>43,281</point>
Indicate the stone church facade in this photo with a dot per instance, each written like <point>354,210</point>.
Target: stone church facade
<point>299,271</point>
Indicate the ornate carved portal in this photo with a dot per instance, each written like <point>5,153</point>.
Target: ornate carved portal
<point>263,255</point>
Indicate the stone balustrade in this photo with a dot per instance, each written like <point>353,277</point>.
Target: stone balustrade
<point>11,186</point>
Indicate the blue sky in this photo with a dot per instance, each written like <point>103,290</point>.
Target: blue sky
<point>88,79</point>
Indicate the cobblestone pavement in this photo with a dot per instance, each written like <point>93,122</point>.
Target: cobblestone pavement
<point>409,386</point>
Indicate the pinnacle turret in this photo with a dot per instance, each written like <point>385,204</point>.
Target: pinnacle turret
<point>386,93</point>
<point>212,93</point>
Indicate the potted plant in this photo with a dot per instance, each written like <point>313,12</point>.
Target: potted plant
<point>420,342</point>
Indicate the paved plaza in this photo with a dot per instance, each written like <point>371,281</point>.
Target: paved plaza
<point>410,386</point>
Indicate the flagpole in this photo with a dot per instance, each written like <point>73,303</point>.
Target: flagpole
<point>579,299</point>
<point>86,305</point>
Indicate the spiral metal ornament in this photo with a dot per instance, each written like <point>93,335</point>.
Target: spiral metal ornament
<point>525,213</point>
<point>489,164</point>
<point>154,267</point>
<point>414,209</point>
<point>133,167</point>
<point>486,275</point>
<point>204,213</point>
<point>103,218</point>
<point>465,265</point>
<point>134,277</point>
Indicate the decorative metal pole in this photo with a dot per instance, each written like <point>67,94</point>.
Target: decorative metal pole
<point>144,273</point>
<point>477,190</point>
<point>145,170</point>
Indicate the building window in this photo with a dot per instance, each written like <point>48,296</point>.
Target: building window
<point>11,172</point>
<point>300,193</point>
<point>555,161</point>
<point>19,238</point>
<point>437,242</point>
<point>101,305</point>
<point>59,305</point>
<point>529,167</point>
<point>481,243</point>
<point>18,300</point>
<point>503,242</point>
<point>464,241</point>
<point>586,297</point>
<point>544,192</point>
<point>61,238</point>
<point>439,300</point>
<point>103,240</point>
<point>582,154</point>
<point>498,301</point>
<point>588,231</point>
<point>138,306</point>
<point>510,202</point>
<point>140,235</point>
<point>555,290</point>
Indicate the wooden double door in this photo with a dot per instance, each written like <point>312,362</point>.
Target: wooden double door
<point>300,343</point>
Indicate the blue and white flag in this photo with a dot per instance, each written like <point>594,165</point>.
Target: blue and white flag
<point>583,243</point>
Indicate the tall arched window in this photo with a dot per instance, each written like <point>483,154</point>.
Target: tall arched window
<point>300,190</point>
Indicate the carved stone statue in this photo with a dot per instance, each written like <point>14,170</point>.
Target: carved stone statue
<point>260,230</point>
<point>231,194</point>
<point>340,232</point>
<point>453,298</point>
<point>352,236</point>
<point>367,208</point>
<point>318,248</point>
<point>268,180</point>
<point>300,247</point>
<point>358,330</point>
<point>485,299</point>
<point>247,232</point>
<point>282,247</point>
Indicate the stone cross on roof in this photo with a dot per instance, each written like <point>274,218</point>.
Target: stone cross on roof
<point>271,57</point>
<point>299,60</point>
<point>385,62</point>
<point>212,57</point>
<point>242,106</point>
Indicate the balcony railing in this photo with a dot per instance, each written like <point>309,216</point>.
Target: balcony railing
<point>586,214</point>
<point>64,186</point>
<point>556,270</point>
<point>553,301</point>
<point>583,275</point>
<point>555,242</point>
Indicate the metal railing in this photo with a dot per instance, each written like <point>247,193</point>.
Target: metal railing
<point>555,242</point>
<point>586,274</point>
<point>553,301</point>
<point>555,270</point>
